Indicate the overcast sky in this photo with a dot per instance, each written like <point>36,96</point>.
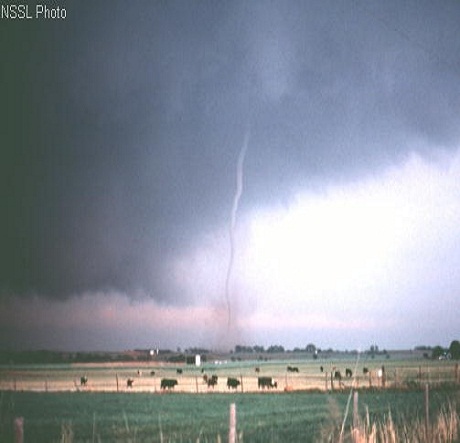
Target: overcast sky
<point>121,130</point>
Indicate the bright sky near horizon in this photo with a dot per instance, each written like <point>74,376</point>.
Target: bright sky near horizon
<point>121,131</point>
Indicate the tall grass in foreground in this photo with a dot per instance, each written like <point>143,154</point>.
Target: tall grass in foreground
<point>261,418</point>
<point>445,429</point>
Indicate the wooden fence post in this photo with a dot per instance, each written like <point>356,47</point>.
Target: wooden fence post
<point>18,429</point>
<point>326,381</point>
<point>241,378</point>
<point>355,418</point>
<point>116,377</point>
<point>232,424</point>
<point>355,409</point>
<point>427,411</point>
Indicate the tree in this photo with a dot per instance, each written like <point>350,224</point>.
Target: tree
<point>454,350</point>
<point>275,348</point>
<point>438,351</point>
<point>258,348</point>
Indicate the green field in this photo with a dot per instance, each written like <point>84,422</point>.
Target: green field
<point>176,417</point>
<point>56,408</point>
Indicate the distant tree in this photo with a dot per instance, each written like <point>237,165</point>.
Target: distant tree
<point>374,349</point>
<point>310,347</point>
<point>242,348</point>
<point>197,350</point>
<point>454,350</point>
<point>437,352</point>
<point>275,348</point>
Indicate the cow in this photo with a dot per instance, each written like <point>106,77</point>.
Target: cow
<point>292,369</point>
<point>321,369</point>
<point>152,373</point>
<point>83,380</point>
<point>348,373</point>
<point>266,382</point>
<point>337,375</point>
<point>212,381</point>
<point>232,383</point>
<point>257,369</point>
<point>129,382</point>
<point>168,383</point>
<point>179,371</point>
<point>365,371</point>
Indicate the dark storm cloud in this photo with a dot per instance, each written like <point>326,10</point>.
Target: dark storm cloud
<point>121,125</point>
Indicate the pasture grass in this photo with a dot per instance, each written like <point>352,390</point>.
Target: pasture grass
<point>445,429</point>
<point>264,417</point>
<point>112,377</point>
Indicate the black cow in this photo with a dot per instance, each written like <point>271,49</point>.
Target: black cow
<point>168,383</point>
<point>232,383</point>
<point>212,381</point>
<point>257,369</point>
<point>267,382</point>
<point>292,369</point>
<point>179,371</point>
<point>321,369</point>
<point>338,375</point>
<point>365,371</point>
<point>83,380</point>
<point>152,373</point>
<point>348,373</point>
<point>129,382</point>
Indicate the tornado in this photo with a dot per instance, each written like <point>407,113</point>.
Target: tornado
<point>236,201</point>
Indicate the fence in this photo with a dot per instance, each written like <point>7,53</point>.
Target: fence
<point>106,380</point>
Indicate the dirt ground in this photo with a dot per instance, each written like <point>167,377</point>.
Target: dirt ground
<point>113,377</point>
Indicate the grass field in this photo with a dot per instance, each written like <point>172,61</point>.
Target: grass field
<point>399,373</point>
<point>56,408</point>
<point>269,417</point>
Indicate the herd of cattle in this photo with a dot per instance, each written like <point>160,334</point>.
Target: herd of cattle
<point>232,382</point>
